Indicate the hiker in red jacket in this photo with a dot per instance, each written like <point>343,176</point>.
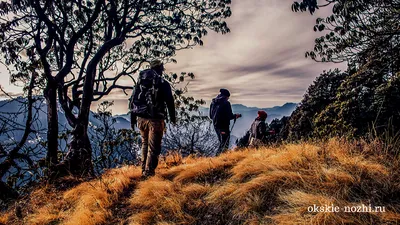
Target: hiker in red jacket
<point>258,130</point>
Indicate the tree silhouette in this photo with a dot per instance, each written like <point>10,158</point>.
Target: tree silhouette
<point>366,35</point>
<point>319,95</point>
<point>87,48</point>
<point>14,149</point>
<point>112,146</point>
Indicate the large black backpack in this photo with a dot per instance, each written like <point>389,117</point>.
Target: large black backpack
<point>143,101</point>
<point>214,108</point>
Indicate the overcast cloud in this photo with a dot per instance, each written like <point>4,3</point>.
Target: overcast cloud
<point>261,61</point>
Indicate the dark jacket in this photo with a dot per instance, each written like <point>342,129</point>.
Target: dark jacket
<point>258,129</point>
<point>164,100</point>
<point>221,112</point>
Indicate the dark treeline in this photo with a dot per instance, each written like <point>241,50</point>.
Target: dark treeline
<point>364,100</point>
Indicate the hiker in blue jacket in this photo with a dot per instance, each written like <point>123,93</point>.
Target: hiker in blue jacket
<point>221,115</point>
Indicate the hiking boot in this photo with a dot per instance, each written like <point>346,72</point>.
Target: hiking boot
<point>147,174</point>
<point>143,177</point>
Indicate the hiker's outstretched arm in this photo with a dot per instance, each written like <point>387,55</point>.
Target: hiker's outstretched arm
<point>229,113</point>
<point>169,100</point>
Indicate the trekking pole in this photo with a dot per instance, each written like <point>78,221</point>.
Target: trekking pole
<point>233,125</point>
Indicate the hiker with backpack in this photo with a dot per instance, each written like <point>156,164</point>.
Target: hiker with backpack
<point>258,134</point>
<point>221,115</point>
<point>150,98</point>
<point>258,130</point>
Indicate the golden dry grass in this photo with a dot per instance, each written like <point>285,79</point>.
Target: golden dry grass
<point>4,219</point>
<point>92,200</point>
<point>86,204</point>
<point>264,186</point>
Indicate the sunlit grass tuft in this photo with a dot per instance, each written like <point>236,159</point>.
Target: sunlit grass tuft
<point>4,219</point>
<point>264,186</point>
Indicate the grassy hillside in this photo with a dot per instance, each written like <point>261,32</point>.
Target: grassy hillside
<point>265,186</point>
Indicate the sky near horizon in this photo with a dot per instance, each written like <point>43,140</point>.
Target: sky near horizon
<point>261,61</point>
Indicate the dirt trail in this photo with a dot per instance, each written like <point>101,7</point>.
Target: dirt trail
<point>120,209</point>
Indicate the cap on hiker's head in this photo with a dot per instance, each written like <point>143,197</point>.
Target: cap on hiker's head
<point>156,63</point>
<point>224,92</point>
<point>262,114</point>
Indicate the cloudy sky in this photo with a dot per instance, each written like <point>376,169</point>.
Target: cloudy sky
<point>261,61</point>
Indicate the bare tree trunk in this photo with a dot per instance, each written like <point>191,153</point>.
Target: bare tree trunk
<point>79,157</point>
<point>50,94</point>
<point>78,160</point>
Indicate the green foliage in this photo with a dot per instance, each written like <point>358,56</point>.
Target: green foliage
<point>338,104</point>
<point>318,96</point>
<point>364,101</point>
<point>365,34</point>
<point>357,32</point>
<point>278,131</point>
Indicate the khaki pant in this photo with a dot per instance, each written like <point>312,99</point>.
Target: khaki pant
<point>152,131</point>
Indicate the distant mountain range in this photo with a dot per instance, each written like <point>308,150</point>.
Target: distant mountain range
<point>123,121</point>
<point>10,108</point>
<point>12,125</point>
<point>285,109</point>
